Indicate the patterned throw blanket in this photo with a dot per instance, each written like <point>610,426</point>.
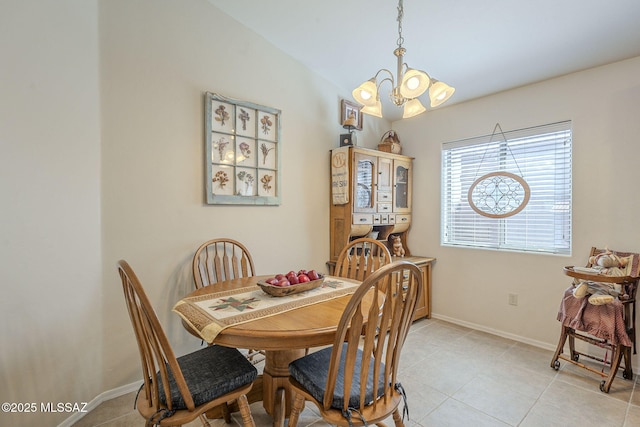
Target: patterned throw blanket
<point>209,314</point>
<point>603,321</point>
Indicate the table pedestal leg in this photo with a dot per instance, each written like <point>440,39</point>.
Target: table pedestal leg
<point>276,383</point>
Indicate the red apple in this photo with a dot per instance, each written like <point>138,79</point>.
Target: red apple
<point>313,275</point>
<point>303,278</point>
<point>279,276</point>
<point>283,282</point>
<point>303,271</point>
<point>293,279</point>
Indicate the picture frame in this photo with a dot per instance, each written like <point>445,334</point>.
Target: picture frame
<point>242,152</point>
<point>348,107</point>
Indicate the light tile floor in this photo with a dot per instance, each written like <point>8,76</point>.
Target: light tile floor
<point>455,376</point>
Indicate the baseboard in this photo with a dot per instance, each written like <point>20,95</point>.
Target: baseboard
<point>102,397</point>
<point>524,340</point>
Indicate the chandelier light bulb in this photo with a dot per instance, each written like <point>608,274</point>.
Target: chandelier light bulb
<point>413,83</point>
<point>366,93</point>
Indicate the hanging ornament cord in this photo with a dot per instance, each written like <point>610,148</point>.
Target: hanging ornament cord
<point>498,194</point>
<point>504,138</point>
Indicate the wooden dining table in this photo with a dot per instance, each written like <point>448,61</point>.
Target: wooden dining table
<point>284,337</point>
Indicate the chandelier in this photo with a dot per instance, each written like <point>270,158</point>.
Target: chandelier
<point>411,83</point>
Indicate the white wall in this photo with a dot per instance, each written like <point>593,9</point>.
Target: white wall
<point>157,60</point>
<point>50,251</point>
<point>472,285</point>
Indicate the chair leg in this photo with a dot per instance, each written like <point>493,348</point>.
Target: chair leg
<point>296,409</point>
<point>204,420</point>
<point>555,364</point>
<point>397,419</point>
<point>572,346</point>
<point>245,411</point>
<point>628,370</point>
<point>615,363</point>
<point>226,413</point>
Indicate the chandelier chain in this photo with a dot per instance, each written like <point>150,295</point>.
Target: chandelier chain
<point>400,15</point>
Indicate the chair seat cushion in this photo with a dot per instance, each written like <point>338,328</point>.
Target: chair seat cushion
<point>210,373</point>
<point>312,370</point>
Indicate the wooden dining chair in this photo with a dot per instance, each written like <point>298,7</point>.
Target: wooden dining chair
<point>361,257</point>
<point>221,259</point>
<point>176,391</point>
<point>355,382</point>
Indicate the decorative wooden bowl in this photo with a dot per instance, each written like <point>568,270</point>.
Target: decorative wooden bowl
<point>281,291</point>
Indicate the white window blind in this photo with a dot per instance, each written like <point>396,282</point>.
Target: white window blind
<point>542,157</point>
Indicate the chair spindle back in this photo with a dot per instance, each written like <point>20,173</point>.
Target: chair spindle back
<point>361,257</point>
<point>221,259</point>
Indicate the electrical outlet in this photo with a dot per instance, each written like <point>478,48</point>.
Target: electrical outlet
<point>513,299</point>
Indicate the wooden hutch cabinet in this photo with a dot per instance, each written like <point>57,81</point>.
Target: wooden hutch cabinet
<point>377,204</point>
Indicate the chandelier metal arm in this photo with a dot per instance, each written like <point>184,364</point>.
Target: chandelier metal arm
<point>394,95</point>
<point>390,78</point>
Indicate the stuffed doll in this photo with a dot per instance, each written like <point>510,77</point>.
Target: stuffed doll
<point>599,293</point>
<point>608,264</point>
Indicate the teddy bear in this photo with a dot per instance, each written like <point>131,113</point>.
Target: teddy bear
<point>608,264</point>
<point>398,250</point>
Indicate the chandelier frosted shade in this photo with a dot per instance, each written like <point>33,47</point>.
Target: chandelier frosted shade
<point>412,108</point>
<point>367,93</point>
<point>414,83</point>
<point>439,92</point>
<point>373,110</point>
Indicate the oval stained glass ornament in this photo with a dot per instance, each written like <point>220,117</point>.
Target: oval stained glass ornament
<point>498,194</point>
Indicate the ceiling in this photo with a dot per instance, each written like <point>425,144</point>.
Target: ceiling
<point>479,47</point>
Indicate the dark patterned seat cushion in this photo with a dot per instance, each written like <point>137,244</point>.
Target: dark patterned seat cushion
<point>312,370</point>
<point>210,373</point>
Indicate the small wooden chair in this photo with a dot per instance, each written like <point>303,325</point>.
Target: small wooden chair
<point>179,390</point>
<point>221,259</point>
<point>361,257</point>
<point>355,382</point>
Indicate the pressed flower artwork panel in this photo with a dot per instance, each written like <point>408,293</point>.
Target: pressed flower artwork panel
<point>268,155</point>
<point>268,126</point>
<point>222,116</point>
<point>222,148</point>
<point>246,122</point>
<point>246,153</point>
<point>267,183</point>
<point>246,182</point>
<point>223,180</point>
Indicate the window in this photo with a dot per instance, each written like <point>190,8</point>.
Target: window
<point>541,156</point>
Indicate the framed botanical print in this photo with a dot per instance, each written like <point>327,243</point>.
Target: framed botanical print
<point>242,152</point>
<point>350,109</point>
